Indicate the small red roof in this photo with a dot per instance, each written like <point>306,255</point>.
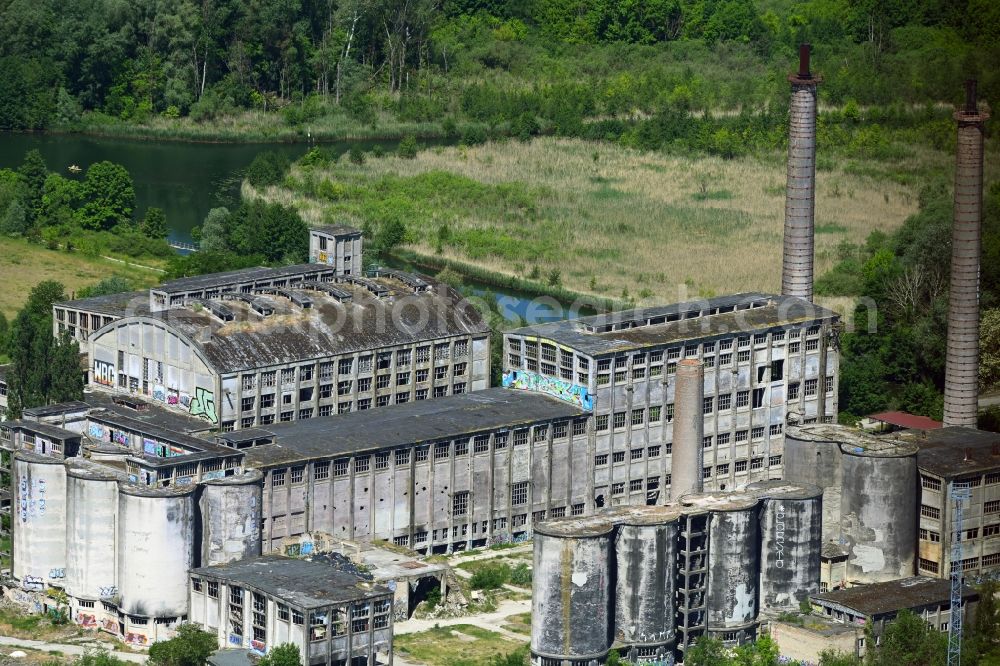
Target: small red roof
<point>904,420</point>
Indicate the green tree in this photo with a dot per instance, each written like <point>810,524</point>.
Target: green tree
<point>286,654</point>
<point>908,641</point>
<point>109,285</point>
<point>44,369</point>
<point>154,224</point>
<point>408,148</point>
<point>268,168</point>
<point>831,657</point>
<point>109,197</point>
<point>707,651</point>
<point>214,231</point>
<point>14,221</point>
<point>190,647</point>
<point>270,230</point>
<point>33,173</point>
<point>989,346</point>
<point>60,199</point>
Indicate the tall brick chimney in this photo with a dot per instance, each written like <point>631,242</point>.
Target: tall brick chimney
<point>800,192</point>
<point>961,383</point>
<point>689,429</point>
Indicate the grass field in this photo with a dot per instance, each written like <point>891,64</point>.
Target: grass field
<point>23,265</point>
<point>457,645</point>
<point>605,219</point>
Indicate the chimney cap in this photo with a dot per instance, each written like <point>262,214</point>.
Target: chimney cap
<point>804,60</point>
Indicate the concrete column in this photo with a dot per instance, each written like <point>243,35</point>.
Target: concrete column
<point>800,193</point>
<point>961,389</point>
<point>689,428</point>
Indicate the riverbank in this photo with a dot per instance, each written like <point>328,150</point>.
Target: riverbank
<point>596,218</point>
<point>258,127</point>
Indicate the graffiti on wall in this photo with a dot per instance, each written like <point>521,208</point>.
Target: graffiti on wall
<point>96,430</point>
<point>135,639</point>
<point>159,393</point>
<point>86,620</point>
<point>32,498</point>
<point>33,583</point>
<point>258,647</point>
<point>110,625</point>
<point>204,405</point>
<point>557,388</point>
<point>57,573</point>
<point>104,373</point>
<point>107,592</point>
<point>235,640</point>
<point>119,437</point>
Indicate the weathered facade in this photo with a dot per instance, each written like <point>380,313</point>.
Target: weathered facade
<point>261,346</point>
<point>332,617</point>
<point>766,358</point>
<point>458,472</point>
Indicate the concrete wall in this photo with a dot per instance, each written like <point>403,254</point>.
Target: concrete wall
<point>409,495</point>
<point>745,443</point>
<point>144,357</point>
<point>38,519</point>
<point>230,518</point>
<point>156,549</point>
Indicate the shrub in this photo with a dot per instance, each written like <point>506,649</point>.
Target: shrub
<point>357,156</point>
<point>521,575</point>
<point>408,148</point>
<point>268,168</point>
<point>490,577</point>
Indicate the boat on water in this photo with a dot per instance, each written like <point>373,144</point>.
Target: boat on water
<point>74,168</point>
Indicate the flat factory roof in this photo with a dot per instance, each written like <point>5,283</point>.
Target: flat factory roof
<point>399,425</point>
<point>893,596</point>
<point>954,452</point>
<point>58,409</point>
<point>45,429</point>
<point>337,229</point>
<point>120,305</point>
<point>299,583</point>
<point>655,326</point>
<point>212,280</point>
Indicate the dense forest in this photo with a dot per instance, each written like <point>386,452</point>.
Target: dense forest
<point>487,61</point>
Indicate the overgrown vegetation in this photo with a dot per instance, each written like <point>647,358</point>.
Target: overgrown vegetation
<point>44,369</point>
<point>190,647</point>
<point>255,234</point>
<point>565,217</point>
<point>465,67</point>
<point>94,215</point>
<point>460,645</point>
<point>494,575</point>
<point>903,280</point>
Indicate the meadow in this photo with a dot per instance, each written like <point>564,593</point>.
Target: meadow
<point>598,218</point>
<point>23,265</point>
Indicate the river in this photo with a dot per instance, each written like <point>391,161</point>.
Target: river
<point>187,180</point>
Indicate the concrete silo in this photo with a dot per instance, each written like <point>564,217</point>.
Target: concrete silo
<point>230,518</point>
<point>39,521</point>
<point>791,542</point>
<point>572,590</point>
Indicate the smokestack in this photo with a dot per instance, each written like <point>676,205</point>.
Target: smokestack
<point>800,192</point>
<point>689,429</point>
<point>961,382</point>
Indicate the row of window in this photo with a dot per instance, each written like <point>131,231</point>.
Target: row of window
<point>930,483</point>
<point>421,453</point>
<point>365,365</point>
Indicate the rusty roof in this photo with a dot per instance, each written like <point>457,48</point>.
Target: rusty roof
<point>906,420</point>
